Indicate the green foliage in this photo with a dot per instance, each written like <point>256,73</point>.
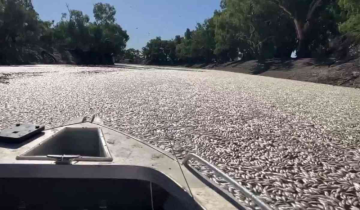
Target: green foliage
<point>47,33</point>
<point>197,45</point>
<point>178,39</point>
<point>351,12</point>
<point>352,25</point>
<point>266,29</point>
<point>314,22</point>
<point>253,28</point>
<point>19,23</point>
<point>74,32</point>
<point>203,41</point>
<point>132,56</point>
<point>103,35</point>
<point>241,29</point>
<point>159,51</point>
<point>20,26</point>
<point>184,52</point>
<point>227,46</point>
<point>188,34</point>
<point>104,13</point>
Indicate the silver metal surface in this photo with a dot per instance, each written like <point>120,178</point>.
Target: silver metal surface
<point>88,147</point>
<point>63,159</point>
<point>242,189</point>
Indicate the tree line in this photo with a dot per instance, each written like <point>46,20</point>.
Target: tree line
<point>21,31</point>
<point>261,29</point>
<point>241,29</point>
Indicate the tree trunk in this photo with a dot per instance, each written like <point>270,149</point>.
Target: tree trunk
<point>302,30</point>
<point>302,50</point>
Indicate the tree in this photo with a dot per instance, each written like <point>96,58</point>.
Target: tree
<point>78,30</point>
<point>306,16</point>
<point>154,51</point>
<point>158,51</point>
<point>227,44</point>
<point>188,34</point>
<point>108,38</point>
<point>203,42</point>
<point>252,29</point>
<point>351,12</point>
<point>183,50</point>
<point>198,45</point>
<point>47,33</point>
<point>20,27</point>
<point>178,39</point>
<point>19,23</point>
<point>102,36</point>
<point>104,13</point>
<point>132,55</point>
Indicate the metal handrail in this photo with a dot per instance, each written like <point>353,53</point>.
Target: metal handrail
<point>242,189</point>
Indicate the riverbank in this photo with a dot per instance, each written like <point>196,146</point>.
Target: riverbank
<point>308,70</point>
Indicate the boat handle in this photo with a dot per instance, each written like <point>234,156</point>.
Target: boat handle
<point>63,159</point>
<point>221,174</point>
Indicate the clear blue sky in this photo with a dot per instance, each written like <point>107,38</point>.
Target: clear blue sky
<point>142,19</point>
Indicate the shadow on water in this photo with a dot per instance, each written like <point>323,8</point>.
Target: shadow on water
<point>95,72</point>
<point>107,69</point>
<point>116,66</point>
<point>6,77</point>
<point>154,68</point>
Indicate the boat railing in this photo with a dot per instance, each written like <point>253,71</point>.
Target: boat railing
<point>221,174</point>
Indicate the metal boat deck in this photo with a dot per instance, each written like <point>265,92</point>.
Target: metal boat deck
<point>132,159</point>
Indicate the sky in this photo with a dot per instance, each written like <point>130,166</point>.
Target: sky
<point>142,19</point>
